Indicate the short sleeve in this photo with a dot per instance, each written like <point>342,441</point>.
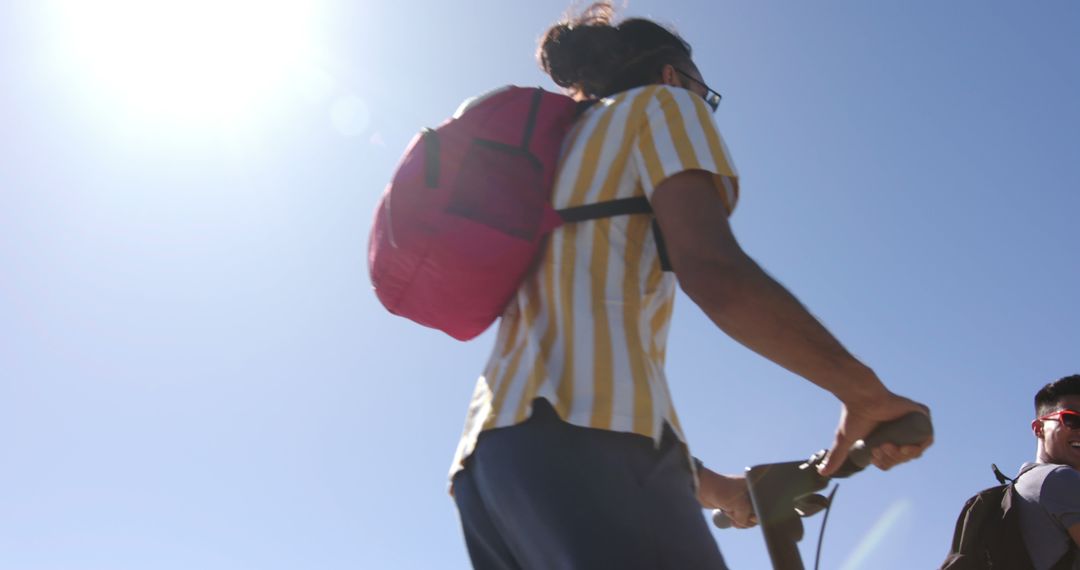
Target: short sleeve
<point>1060,495</point>
<point>678,133</point>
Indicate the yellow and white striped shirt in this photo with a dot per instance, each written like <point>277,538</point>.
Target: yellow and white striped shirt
<point>588,329</point>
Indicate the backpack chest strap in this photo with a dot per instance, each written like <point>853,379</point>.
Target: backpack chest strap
<point>620,207</point>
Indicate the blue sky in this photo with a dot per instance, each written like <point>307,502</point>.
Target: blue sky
<point>194,372</point>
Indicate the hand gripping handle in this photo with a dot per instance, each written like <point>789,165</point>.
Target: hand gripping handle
<point>912,429</point>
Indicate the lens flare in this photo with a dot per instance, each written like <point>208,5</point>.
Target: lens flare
<point>877,533</point>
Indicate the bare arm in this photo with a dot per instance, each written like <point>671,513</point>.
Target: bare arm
<point>741,298</point>
<point>1074,532</point>
<point>755,310</point>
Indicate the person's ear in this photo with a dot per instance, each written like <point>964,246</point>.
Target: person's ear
<point>1037,428</point>
<point>668,76</point>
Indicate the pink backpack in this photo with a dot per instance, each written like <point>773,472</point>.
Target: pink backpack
<point>464,218</point>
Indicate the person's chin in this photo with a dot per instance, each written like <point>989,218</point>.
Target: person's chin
<point>1071,457</point>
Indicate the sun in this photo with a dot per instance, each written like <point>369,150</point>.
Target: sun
<point>201,61</point>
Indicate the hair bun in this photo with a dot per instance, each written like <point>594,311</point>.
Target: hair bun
<point>591,57</point>
<point>557,55</point>
<point>581,55</point>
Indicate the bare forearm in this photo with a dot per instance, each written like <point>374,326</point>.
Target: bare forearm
<point>757,311</point>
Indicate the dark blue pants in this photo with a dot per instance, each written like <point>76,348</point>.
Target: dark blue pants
<point>548,495</point>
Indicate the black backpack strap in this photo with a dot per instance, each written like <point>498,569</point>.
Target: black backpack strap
<point>661,249</point>
<point>530,124</point>
<point>1001,477</point>
<point>431,157</point>
<point>620,207</point>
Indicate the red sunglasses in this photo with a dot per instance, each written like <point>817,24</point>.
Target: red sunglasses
<point>1068,418</point>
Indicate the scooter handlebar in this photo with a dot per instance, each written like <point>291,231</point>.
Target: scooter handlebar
<point>911,429</point>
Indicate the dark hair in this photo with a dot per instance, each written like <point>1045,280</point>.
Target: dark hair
<point>593,57</point>
<point>1047,398</point>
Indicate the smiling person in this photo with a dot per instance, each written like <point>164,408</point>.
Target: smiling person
<point>1049,490</point>
<point>572,455</point>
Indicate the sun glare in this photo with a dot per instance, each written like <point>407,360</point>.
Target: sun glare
<point>202,61</point>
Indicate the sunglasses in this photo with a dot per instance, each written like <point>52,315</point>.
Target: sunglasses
<point>1068,418</point>
<point>712,97</point>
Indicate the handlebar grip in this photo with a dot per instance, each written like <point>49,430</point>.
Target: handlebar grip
<point>720,519</point>
<point>912,429</point>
